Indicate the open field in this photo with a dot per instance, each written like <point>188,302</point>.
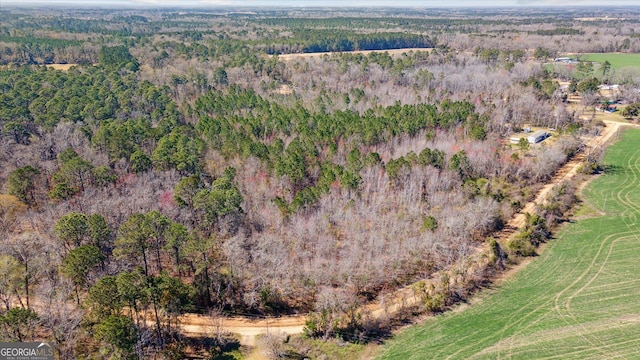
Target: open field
<point>617,60</point>
<point>63,67</point>
<point>577,300</point>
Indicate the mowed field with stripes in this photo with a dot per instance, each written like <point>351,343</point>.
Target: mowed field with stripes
<point>579,300</point>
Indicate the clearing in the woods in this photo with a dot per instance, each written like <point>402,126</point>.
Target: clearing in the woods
<point>617,60</point>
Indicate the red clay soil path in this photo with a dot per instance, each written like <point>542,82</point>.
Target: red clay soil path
<point>247,329</point>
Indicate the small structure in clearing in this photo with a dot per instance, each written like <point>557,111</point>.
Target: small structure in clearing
<point>607,106</point>
<point>537,136</point>
<point>565,60</point>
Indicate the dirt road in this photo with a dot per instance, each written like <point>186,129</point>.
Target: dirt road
<point>406,296</point>
<point>567,172</point>
<point>246,328</point>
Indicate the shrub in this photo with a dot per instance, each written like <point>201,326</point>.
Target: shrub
<point>520,245</point>
<point>631,110</point>
<point>429,223</point>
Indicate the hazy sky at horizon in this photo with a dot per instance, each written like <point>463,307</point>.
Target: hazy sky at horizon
<point>315,3</point>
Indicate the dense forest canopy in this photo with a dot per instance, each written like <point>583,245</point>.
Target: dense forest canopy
<point>158,162</point>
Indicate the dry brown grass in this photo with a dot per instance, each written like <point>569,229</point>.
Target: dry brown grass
<point>63,67</point>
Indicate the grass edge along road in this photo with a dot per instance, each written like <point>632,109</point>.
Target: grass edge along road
<point>577,300</point>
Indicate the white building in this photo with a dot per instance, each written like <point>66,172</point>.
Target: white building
<point>537,136</point>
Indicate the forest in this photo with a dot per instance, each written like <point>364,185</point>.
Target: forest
<point>156,163</point>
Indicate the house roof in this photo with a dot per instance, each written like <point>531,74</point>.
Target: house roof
<point>538,133</point>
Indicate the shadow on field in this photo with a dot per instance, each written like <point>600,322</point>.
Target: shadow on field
<point>613,169</point>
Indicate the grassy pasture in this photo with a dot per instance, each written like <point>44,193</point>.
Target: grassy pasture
<point>578,300</point>
<point>616,60</point>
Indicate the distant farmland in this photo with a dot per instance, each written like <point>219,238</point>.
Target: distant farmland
<point>616,60</point>
<point>579,299</point>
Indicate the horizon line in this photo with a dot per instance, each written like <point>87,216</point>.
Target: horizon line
<point>147,5</point>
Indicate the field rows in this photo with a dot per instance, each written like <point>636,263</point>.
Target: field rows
<point>579,299</point>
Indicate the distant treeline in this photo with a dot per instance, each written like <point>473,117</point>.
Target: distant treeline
<point>374,22</point>
<point>238,51</point>
<point>557,31</point>
<point>344,41</point>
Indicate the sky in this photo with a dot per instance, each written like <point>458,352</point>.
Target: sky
<point>316,3</point>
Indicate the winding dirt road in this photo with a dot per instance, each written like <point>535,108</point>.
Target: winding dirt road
<point>247,329</point>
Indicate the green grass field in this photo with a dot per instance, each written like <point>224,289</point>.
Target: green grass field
<point>579,300</point>
<point>617,60</point>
